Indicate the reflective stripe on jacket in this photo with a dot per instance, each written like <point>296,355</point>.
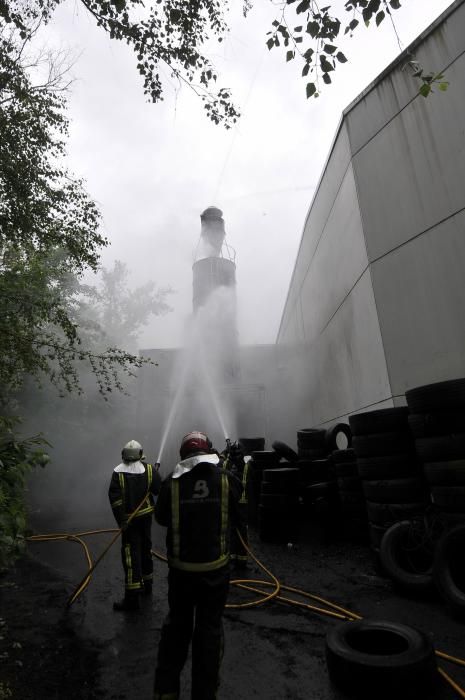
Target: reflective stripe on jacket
<point>199,509</point>
<point>128,490</point>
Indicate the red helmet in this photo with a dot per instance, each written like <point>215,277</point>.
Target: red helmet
<point>194,442</point>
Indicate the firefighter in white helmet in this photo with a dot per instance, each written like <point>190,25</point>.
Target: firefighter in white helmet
<point>134,482</point>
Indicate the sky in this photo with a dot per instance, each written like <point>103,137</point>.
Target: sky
<point>153,168</point>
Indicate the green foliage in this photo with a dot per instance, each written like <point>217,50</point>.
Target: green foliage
<point>428,80</point>
<point>169,34</point>
<point>313,41</point>
<point>172,34</point>
<point>49,232</point>
<point>113,313</point>
<point>17,457</point>
<point>5,691</point>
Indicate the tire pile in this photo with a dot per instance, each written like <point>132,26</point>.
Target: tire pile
<point>437,422</point>
<point>249,447</point>
<point>315,447</point>
<point>392,481</point>
<point>316,477</point>
<point>278,509</point>
<point>351,498</point>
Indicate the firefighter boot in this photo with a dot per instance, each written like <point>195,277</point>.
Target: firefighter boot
<point>147,588</point>
<point>130,602</point>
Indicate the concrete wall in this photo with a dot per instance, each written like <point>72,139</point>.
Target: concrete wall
<point>376,301</point>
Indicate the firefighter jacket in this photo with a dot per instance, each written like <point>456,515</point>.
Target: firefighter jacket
<point>129,484</point>
<point>199,504</point>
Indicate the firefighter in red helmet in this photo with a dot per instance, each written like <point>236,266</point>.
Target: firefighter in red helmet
<point>134,482</point>
<point>199,505</point>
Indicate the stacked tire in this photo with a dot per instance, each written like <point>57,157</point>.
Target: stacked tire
<point>249,446</point>
<point>311,444</point>
<point>352,500</point>
<point>261,460</point>
<point>278,510</point>
<point>314,465</point>
<point>437,422</point>
<point>392,481</point>
<point>318,443</point>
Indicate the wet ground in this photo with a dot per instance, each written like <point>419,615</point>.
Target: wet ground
<point>89,652</point>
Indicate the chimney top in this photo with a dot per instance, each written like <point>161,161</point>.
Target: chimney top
<point>212,213</point>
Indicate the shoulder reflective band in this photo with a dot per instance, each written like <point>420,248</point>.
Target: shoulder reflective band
<point>244,483</point>
<point>149,476</point>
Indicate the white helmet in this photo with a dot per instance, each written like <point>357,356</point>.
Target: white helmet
<point>132,451</point>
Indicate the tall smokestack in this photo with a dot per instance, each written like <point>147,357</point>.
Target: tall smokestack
<point>212,229</point>
<point>211,269</point>
<point>214,294</point>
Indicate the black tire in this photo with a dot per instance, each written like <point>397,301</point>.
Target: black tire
<point>311,454</point>
<point>354,511</point>
<point>441,449</point>
<point>308,477</point>
<point>438,396</point>
<point>341,456</point>
<point>278,501</point>
<point>383,420</point>
<point>411,490</point>
<point>406,554</point>
<point>250,445</point>
<point>445,473</point>
<point>334,435</point>
<point>449,568</point>
<point>268,487</point>
<point>382,444</point>
<point>344,469</point>
<point>285,451</point>
<point>377,658</point>
<point>265,457</point>
<point>352,497</point>
<point>281,477</point>
<point>452,519</point>
<point>321,489</point>
<point>388,467</point>
<point>376,533</point>
<point>389,513</point>
<point>451,498</point>
<point>311,438</point>
<point>350,483</point>
<point>438,423</point>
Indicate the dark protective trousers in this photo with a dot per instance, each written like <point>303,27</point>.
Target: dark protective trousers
<point>136,543</point>
<point>196,604</point>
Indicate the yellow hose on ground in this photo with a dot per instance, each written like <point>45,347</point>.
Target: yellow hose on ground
<point>337,611</point>
<point>458,689</point>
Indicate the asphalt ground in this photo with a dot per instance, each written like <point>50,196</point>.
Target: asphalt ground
<point>275,651</point>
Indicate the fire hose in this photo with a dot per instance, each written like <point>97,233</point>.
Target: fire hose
<point>331,610</point>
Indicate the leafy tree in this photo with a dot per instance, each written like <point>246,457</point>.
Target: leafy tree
<point>172,34</point>
<point>17,457</point>
<point>115,313</point>
<point>49,231</point>
<point>309,34</point>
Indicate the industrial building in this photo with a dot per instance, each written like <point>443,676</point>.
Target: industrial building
<point>376,300</point>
